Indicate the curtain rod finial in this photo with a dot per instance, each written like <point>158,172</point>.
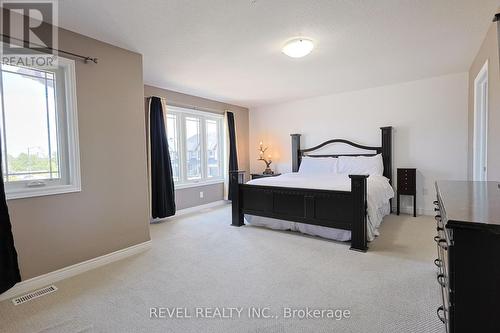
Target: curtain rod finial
<point>94,60</point>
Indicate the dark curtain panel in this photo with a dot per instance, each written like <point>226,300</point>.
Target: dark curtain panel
<point>162,181</point>
<point>233,155</point>
<point>9,269</point>
<point>497,19</point>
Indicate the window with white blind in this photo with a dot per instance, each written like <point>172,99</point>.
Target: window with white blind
<point>38,127</point>
<point>196,144</point>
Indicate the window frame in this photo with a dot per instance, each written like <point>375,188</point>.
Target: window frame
<point>181,114</point>
<point>67,138</point>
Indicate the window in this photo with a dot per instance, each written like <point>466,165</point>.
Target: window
<point>196,145</point>
<point>38,127</point>
<point>173,145</point>
<point>193,147</point>
<point>213,150</point>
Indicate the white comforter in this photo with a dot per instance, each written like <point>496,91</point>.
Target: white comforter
<point>379,191</point>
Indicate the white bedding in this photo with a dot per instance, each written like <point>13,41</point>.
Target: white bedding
<point>379,191</point>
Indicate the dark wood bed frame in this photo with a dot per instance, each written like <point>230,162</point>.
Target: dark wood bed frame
<point>335,209</point>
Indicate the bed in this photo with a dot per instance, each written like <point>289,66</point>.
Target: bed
<point>341,205</point>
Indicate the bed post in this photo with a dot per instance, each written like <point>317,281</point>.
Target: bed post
<point>237,214</point>
<point>387,154</point>
<point>295,152</point>
<point>358,229</point>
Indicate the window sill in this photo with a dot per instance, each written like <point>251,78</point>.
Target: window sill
<point>40,192</point>
<point>198,184</point>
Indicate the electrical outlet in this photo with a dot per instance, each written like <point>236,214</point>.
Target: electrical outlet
<point>201,195</point>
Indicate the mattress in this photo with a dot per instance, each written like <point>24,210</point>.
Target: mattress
<point>379,192</point>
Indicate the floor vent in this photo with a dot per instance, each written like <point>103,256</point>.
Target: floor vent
<point>34,294</point>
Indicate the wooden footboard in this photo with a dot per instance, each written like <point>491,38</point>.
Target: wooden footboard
<point>336,209</point>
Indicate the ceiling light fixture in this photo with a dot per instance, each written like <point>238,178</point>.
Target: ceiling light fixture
<point>298,47</point>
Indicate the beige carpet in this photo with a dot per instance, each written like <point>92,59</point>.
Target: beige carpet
<point>198,260</point>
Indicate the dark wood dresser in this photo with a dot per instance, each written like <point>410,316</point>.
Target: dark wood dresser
<point>468,243</point>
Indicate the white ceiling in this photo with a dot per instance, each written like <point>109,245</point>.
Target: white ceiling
<point>230,50</point>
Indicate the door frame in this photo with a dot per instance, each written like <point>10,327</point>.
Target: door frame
<point>480,143</point>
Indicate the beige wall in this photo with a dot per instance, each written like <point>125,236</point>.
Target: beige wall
<point>488,51</point>
<point>190,197</point>
<point>111,211</point>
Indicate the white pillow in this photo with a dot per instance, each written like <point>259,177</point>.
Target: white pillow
<point>318,165</point>
<point>361,165</point>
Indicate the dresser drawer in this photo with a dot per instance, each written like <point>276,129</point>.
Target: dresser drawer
<point>444,246</point>
<point>445,271</point>
<point>406,181</point>
<point>445,310</point>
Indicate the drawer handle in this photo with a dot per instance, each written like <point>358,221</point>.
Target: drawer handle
<point>439,228</point>
<point>438,217</point>
<point>436,209</point>
<point>438,262</point>
<point>441,281</point>
<point>441,317</point>
<point>443,244</point>
<point>436,202</point>
<point>437,239</point>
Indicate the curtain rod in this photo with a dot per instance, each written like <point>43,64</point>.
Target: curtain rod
<point>194,107</point>
<point>86,59</point>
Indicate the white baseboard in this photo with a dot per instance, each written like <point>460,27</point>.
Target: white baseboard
<point>201,207</point>
<point>193,210</point>
<point>409,211</point>
<point>66,272</point>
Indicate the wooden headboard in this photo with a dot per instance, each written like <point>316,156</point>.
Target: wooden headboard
<point>385,149</point>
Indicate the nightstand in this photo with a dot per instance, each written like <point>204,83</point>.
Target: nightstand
<point>262,175</point>
<point>407,185</point>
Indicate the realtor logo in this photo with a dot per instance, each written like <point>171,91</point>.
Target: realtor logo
<point>27,27</point>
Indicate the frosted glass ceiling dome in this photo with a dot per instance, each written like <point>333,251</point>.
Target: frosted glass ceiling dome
<point>298,47</point>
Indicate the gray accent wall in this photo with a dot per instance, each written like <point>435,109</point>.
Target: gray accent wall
<point>190,197</point>
<point>111,212</point>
